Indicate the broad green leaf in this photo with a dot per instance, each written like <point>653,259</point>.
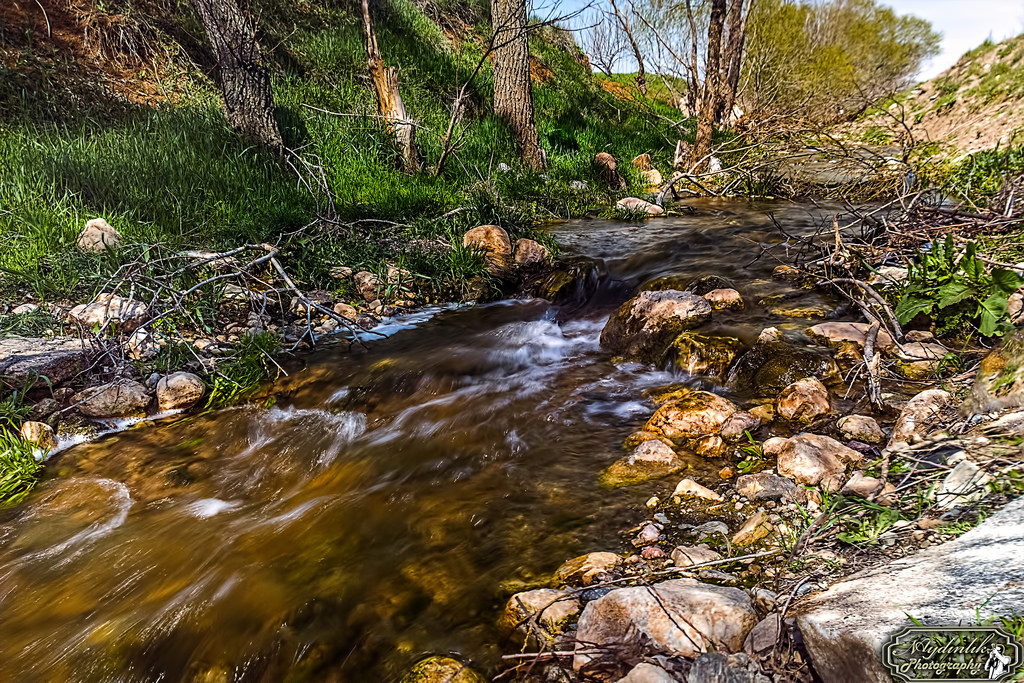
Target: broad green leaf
<point>1006,280</point>
<point>910,306</point>
<point>992,310</point>
<point>954,292</point>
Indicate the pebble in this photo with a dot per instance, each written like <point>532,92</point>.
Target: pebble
<point>653,502</point>
<point>652,553</point>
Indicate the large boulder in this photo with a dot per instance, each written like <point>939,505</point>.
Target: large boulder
<point>638,206</point>
<point>920,415</point>
<point>179,391</point>
<point>804,401</point>
<point>127,314</point>
<point>696,414</point>
<point>772,364</point>
<point>680,617</point>
<point>649,460</point>
<point>972,578</point>
<point>644,327</point>
<point>98,236</point>
<point>38,362</point>
<point>550,609</point>
<point>120,398</point>
<point>812,459</point>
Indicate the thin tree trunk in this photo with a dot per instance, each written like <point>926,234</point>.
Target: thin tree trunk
<point>513,95</point>
<point>733,58</point>
<point>711,92</point>
<point>244,81</point>
<point>693,89</point>
<point>641,75</point>
<point>389,99</point>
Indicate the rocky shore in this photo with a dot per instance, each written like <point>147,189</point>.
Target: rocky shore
<point>745,578</point>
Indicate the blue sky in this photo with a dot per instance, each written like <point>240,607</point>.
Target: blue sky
<point>964,24</point>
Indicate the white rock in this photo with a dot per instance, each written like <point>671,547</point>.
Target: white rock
<point>647,673</point>
<point>179,391</point>
<point>25,308</point>
<point>97,236</point>
<point>110,308</point>
<point>690,555</point>
<point>835,334</point>
<point>965,484</point>
<point>639,206</point>
<point>977,575</point>
<point>684,619</point>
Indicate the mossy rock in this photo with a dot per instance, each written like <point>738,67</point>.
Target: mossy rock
<point>999,382</point>
<point>772,365</point>
<point>569,282</point>
<point>699,285</point>
<point>704,354</point>
<point>442,670</point>
<point>643,328</point>
<point>622,472</point>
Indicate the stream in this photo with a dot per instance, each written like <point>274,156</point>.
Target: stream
<point>388,503</point>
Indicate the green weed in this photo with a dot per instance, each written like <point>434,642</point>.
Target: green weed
<point>19,468</point>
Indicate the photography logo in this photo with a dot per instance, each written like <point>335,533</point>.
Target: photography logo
<point>953,654</point>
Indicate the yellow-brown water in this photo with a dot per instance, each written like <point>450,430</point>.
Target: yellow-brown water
<point>383,509</point>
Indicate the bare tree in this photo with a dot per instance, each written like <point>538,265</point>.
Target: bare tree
<point>389,100</point>
<point>513,95</point>
<point>244,80</point>
<point>623,20</point>
<point>733,58</point>
<point>604,42</point>
<point>711,92</point>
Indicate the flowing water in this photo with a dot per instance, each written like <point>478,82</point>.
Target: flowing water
<point>386,505</point>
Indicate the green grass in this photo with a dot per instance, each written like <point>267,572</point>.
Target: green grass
<point>19,469</point>
<point>174,175</point>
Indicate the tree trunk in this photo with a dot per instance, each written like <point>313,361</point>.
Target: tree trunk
<point>711,92</point>
<point>641,74</point>
<point>513,96</point>
<point>248,100</point>
<point>389,99</point>
<point>733,58</point>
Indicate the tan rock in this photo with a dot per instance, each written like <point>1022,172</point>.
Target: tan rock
<point>346,311</point>
<point>688,487</point>
<point>753,530</point>
<point>710,446</point>
<point>921,414</point>
<point>697,414</point>
<point>645,672</point>
<point>606,166</point>
<point>98,236</point>
<point>690,555</point>
<point>812,459</point>
<point>639,206</point>
<point>491,239</point>
<point>680,617</point>
<point>367,284</point>
<point>120,398</point>
<point>804,401</point>
<point>110,308</point>
<point>722,299</point>
<point>39,434</point>
<point>734,430</point>
<point>836,334</point>
<point>863,486</point>
<point>653,177</point>
<point>582,570</point>
<point>529,252</point>
<point>550,609</point>
<point>765,413</point>
<point>650,460</point>
<point>642,162</point>
<point>860,428</point>
<point>179,391</point>
<point>644,328</point>
<point>767,486</point>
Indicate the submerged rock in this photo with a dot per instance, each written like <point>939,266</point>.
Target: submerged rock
<point>571,282</point>
<point>697,414</point>
<point>812,459</point>
<point>804,401</point>
<point>773,363</point>
<point>704,354</point>
<point>975,576</point>
<point>650,460</point>
<point>442,670</point>
<point>680,617</point>
<point>644,327</point>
